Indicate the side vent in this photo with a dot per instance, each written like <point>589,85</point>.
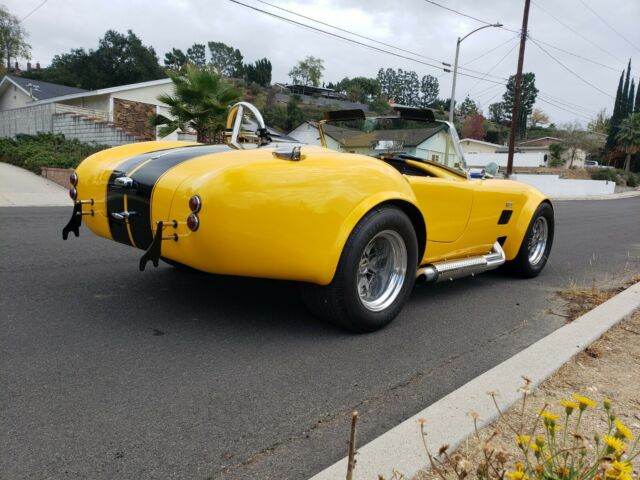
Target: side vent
<point>505,216</point>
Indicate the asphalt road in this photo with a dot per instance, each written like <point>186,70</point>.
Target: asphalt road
<point>106,372</point>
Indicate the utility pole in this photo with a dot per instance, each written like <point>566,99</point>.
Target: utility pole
<point>518,87</point>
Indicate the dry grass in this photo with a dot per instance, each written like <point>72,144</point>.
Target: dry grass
<point>581,299</point>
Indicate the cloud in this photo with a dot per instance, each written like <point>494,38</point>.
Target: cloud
<point>414,25</point>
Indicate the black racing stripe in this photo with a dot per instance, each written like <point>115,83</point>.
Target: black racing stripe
<point>115,195</point>
<point>139,198</point>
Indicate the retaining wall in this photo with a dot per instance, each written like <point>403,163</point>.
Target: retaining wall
<point>554,186</point>
<point>89,130</point>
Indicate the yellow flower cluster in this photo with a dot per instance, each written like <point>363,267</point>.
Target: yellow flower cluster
<point>619,471</point>
<point>518,473</point>
<point>614,444</point>
<point>584,402</point>
<point>622,430</point>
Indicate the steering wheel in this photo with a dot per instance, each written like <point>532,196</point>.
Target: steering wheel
<point>234,133</point>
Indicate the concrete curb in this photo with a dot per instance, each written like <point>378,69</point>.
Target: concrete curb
<point>447,422</point>
<point>613,196</point>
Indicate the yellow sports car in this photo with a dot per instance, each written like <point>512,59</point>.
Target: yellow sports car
<point>376,205</point>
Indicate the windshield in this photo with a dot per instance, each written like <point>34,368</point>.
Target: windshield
<point>384,136</point>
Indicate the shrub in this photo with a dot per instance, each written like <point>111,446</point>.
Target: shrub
<point>619,176</point>
<point>34,152</point>
<point>550,447</point>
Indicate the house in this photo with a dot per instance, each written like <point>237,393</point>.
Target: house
<point>16,92</point>
<point>112,116</point>
<point>473,146</point>
<point>307,132</point>
<point>432,143</point>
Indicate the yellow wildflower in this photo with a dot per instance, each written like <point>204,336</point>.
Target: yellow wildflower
<point>607,404</point>
<point>540,440</point>
<point>562,471</point>
<point>549,416</point>
<point>569,406</point>
<point>615,444</point>
<point>518,473</point>
<point>622,430</point>
<point>584,402</point>
<point>619,470</point>
<point>522,439</point>
<point>534,447</point>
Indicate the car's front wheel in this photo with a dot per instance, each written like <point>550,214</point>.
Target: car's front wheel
<point>375,274</point>
<point>536,245</point>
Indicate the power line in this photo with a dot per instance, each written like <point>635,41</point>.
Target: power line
<point>548,102</point>
<point>502,44</point>
<point>577,32</point>
<point>34,10</point>
<point>518,32</point>
<point>608,25</point>
<point>492,68</point>
<point>571,71</point>
<point>346,39</point>
<point>469,16</point>
<point>292,12</point>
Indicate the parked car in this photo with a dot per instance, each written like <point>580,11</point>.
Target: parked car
<point>390,204</point>
<point>591,164</point>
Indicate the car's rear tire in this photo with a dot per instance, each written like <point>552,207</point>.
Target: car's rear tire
<point>375,274</point>
<point>536,244</point>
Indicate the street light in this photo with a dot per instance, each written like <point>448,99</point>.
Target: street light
<point>452,103</point>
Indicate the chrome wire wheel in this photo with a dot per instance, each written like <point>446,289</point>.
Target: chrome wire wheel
<point>538,240</point>
<point>382,270</point>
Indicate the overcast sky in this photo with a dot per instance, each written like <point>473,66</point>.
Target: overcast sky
<point>414,25</point>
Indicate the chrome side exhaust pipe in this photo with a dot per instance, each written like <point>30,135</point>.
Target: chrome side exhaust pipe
<point>458,268</point>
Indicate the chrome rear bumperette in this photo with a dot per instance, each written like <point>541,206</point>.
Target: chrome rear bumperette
<point>462,267</point>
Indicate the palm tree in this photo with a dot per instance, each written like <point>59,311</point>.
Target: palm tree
<point>200,103</point>
<point>628,137</point>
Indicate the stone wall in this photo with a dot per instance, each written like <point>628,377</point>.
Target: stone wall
<point>57,175</point>
<point>133,117</point>
<point>89,130</point>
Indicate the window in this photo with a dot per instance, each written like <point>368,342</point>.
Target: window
<point>435,158</point>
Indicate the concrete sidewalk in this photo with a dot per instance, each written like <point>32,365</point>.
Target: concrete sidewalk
<point>22,188</point>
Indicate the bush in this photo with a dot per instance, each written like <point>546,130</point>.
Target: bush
<point>619,176</point>
<point>34,152</point>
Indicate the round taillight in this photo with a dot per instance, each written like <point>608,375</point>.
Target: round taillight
<point>193,222</point>
<point>73,179</point>
<point>195,204</point>
<point>73,193</point>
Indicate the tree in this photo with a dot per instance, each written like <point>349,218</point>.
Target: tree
<point>628,138</point>
<point>197,55</point>
<point>467,107</point>
<point>631,96</point>
<point>200,103</point>
<point>175,59</point>
<point>307,71</point>
<point>473,127</point>
<point>574,139</point>
<point>225,60</point>
<point>600,124</point>
<point>13,36</point>
<point>497,113</point>
<point>556,150</point>
<point>259,72</point>
<point>359,89</point>
<point>119,60</point>
<point>538,117</point>
<point>429,90</point>
<point>528,95</point>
